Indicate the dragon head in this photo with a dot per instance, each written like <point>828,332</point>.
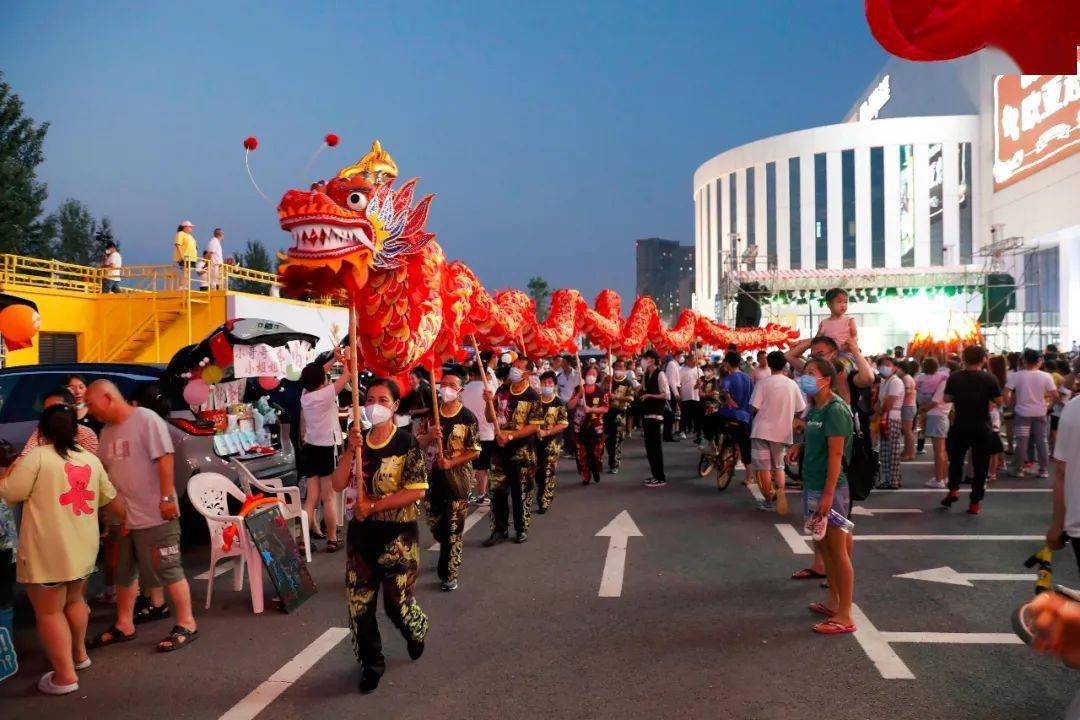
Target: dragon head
<point>351,225</point>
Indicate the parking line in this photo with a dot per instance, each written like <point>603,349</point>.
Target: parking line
<point>797,542</point>
<point>876,647</point>
<point>471,520</point>
<point>257,700</point>
<point>951,638</point>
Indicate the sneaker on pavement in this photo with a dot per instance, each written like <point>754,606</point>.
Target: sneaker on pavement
<point>654,483</point>
<point>936,484</point>
<point>484,499</point>
<point>494,539</point>
<point>521,537</point>
<point>1044,474</point>
<point>449,585</point>
<point>973,509</point>
<point>950,499</point>
<point>767,505</point>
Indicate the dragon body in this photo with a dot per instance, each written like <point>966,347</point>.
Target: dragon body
<point>358,237</point>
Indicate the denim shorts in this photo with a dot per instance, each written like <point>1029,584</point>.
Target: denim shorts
<point>937,426</point>
<point>907,413</point>
<point>812,498</point>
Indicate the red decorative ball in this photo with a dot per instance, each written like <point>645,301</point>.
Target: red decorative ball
<point>251,143</point>
<point>331,139</point>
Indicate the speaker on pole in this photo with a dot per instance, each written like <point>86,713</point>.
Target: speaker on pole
<point>999,297</point>
<point>748,304</point>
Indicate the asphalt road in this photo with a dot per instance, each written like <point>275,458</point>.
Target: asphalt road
<point>708,624</point>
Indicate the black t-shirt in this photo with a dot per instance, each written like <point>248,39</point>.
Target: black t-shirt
<point>516,410</point>
<point>971,392</point>
<point>460,435</point>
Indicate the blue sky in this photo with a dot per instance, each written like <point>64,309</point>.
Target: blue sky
<point>554,134</point>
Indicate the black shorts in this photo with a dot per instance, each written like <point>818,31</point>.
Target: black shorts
<point>1054,420</point>
<point>317,460</point>
<point>483,460</point>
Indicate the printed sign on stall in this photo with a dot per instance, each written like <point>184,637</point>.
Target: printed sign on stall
<point>256,361</point>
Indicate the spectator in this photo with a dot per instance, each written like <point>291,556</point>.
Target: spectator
<point>776,400</point>
<point>472,397</point>
<point>112,263</point>
<point>1065,523</point>
<point>736,389</point>
<point>77,385</point>
<point>59,540</point>
<point>829,427</point>
<point>84,436</point>
<point>935,412</point>
<point>654,396</point>
<point>909,409</point>
<point>689,386</point>
<point>322,435</point>
<point>185,253</point>
<point>138,453</point>
<point>568,382</point>
<point>890,404</point>
<point>671,416</point>
<point>972,392</point>
<point>1027,391</point>
<point>214,257</point>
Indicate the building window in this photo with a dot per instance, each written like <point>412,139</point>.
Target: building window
<point>733,216</point>
<point>751,229</point>
<point>795,214</point>
<point>719,195</point>
<point>705,239</point>
<point>770,214</point>
<point>907,206</point>
<point>847,176</point>
<point>1042,276</point>
<point>877,207</point>
<point>821,205</point>
<point>937,206</point>
<point>964,197</point>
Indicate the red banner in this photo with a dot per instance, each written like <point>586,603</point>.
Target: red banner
<point>1036,124</point>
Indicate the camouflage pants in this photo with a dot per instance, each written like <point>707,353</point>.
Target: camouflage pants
<point>512,482</point>
<point>382,554</point>
<point>547,457</point>
<point>614,434</point>
<point>446,518</point>
<point>590,453</point>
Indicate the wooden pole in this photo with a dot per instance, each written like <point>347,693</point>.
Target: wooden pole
<point>435,419</point>
<point>355,361</point>
<point>484,379</point>
<point>611,372</point>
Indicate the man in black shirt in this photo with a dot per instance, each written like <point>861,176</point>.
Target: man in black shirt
<point>971,391</point>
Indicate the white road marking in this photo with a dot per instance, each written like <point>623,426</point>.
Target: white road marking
<point>756,492</point>
<point>947,576</point>
<point>617,531</point>
<point>938,492</point>
<point>950,638</point>
<point>797,542</point>
<point>877,648</point>
<point>472,519</point>
<point>258,699</point>
<point>868,512</point>
<point>219,570</point>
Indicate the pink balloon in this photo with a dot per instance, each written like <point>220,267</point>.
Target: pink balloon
<point>196,392</point>
<point>268,383</point>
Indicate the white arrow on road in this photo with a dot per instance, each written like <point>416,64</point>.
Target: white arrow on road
<point>868,512</point>
<point>618,530</point>
<point>947,576</point>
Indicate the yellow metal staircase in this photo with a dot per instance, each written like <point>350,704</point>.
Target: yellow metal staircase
<point>135,324</point>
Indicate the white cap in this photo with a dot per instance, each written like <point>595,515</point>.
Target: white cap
<point>187,223</point>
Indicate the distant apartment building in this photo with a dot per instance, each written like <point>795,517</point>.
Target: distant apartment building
<point>665,271</point>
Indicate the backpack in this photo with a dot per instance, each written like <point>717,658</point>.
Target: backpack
<point>862,465</point>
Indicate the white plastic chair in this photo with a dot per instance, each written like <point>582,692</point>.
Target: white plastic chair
<point>209,493</point>
<point>291,507</point>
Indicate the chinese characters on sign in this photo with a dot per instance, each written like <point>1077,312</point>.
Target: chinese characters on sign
<point>1036,124</point>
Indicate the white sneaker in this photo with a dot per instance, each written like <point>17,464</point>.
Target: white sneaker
<point>47,686</point>
<point>936,484</point>
<point>84,664</point>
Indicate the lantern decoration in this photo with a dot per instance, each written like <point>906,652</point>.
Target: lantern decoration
<point>18,326</point>
<point>196,392</point>
<point>212,374</point>
<point>268,383</point>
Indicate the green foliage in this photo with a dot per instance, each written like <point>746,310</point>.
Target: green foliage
<point>255,256</point>
<point>540,292</point>
<point>75,229</point>
<point>22,195</point>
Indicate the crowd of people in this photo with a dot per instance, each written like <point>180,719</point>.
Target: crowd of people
<point>493,432</point>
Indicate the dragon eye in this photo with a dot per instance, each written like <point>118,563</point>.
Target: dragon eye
<point>356,201</point>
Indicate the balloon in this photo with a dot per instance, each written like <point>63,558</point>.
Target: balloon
<point>196,392</point>
<point>251,143</point>
<point>212,374</point>
<point>19,324</point>
<point>331,139</point>
<point>292,373</point>
<point>268,383</point>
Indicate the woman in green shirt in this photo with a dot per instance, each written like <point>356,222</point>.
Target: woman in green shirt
<point>829,427</point>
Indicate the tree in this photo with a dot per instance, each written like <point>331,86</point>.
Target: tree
<point>74,227</point>
<point>22,195</point>
<point>255,256</point>
<point>103,235</point>
<point>540,292</point>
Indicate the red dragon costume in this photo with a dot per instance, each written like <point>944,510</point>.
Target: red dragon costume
<point>356,235</point>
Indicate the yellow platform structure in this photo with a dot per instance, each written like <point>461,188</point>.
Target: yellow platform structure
<point>160,309</point>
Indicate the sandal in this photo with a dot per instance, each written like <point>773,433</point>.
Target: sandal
<point>820,608</point>
<point>333,546</point>
<point>831,627</point>
<point>115,636</point>
<point>149,613</point>
<point>806,574</point>
<point>178,637</point>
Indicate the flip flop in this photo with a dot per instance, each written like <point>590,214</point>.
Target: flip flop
<point>115,636</point>
<point>806,574</point>
<point>822,609</point>
<point>831,627</point>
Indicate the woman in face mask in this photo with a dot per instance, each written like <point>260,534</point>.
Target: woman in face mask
<point>589,406</point>
<point>549,440</point>
<point>829,428</point>
<point>891,430</point>
<point>452,476</point>
<point>382,535</point>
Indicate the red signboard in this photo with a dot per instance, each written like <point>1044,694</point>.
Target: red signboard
<point>1036,124</point>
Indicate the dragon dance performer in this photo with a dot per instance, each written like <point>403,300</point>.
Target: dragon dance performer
<point>513,464</point>
<point>549,439</point>
<point>381,545</point>
<point>622,394</point>
<point>452,475</point>
<point>589,406</point>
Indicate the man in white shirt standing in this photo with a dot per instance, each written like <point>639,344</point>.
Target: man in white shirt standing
<point>671,417</point>
<point>473,399</point>
<point>215,258</point>
<point>567,384</point>
<point>776,401</point>
<point>689,378</point>
<point>1028,390</point>
<point>112,264</point>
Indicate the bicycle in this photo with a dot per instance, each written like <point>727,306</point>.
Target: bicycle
<point>723,458</point>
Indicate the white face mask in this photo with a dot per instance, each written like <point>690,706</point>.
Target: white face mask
<point>547,390</point>
<point>590,379</point>
<point>516,375</point>
<point>448,394</point>
<point>505,358</point>
<point>620,374</point>
<point>378,414</point>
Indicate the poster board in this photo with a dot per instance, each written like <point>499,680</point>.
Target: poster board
<point>282,559</point>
